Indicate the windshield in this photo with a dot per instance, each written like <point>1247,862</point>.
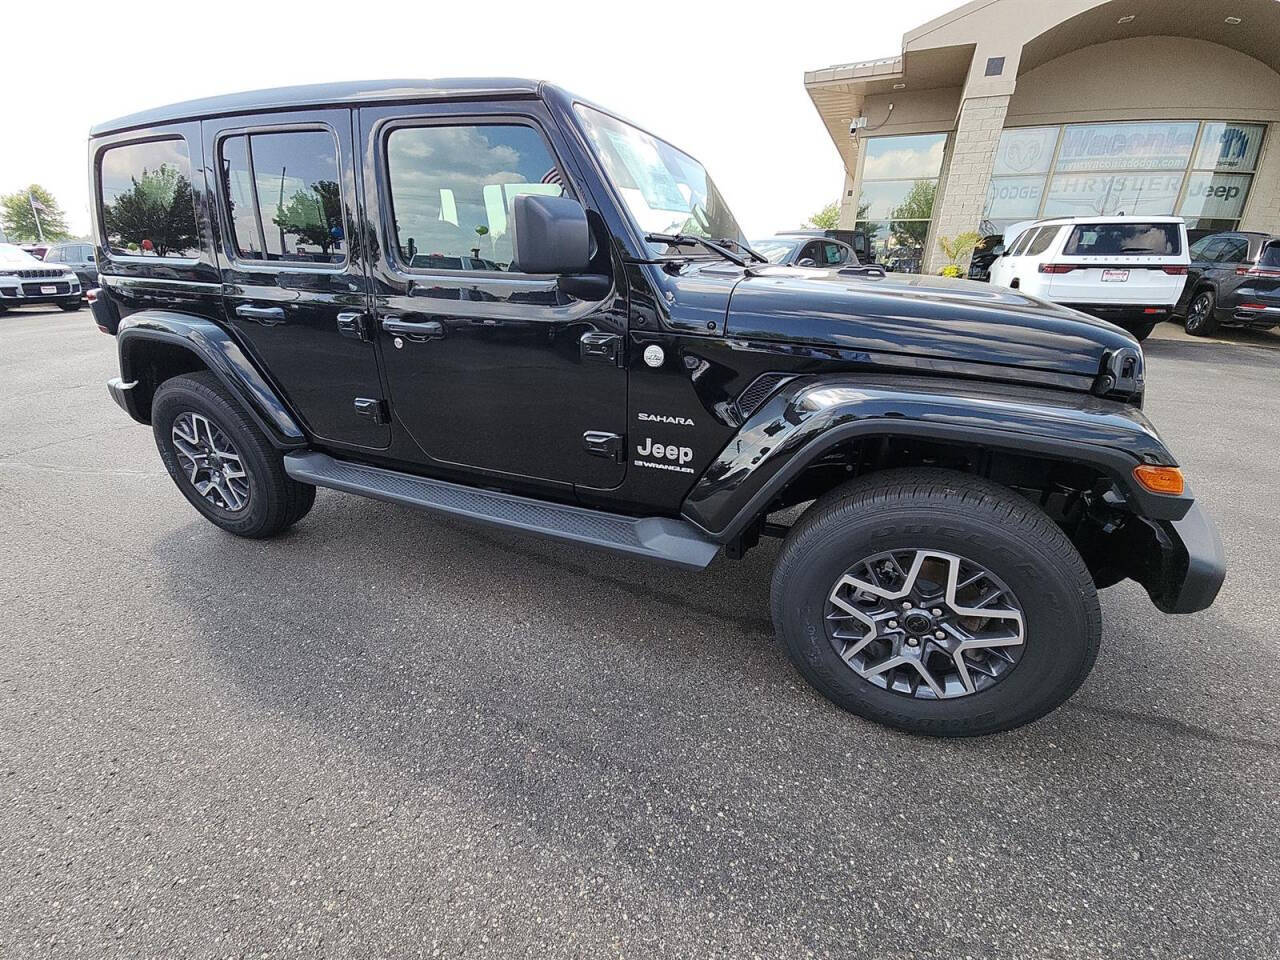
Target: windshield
<point>666,191</point>
<point>773,250</point>
<point>15,256</point>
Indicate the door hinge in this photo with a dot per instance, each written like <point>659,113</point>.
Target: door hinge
<point>355,324</point>
<point>595,345</point>
<point>602,444</point>
<point>370,409</point>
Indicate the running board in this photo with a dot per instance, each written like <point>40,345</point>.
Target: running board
<point>656,538</point>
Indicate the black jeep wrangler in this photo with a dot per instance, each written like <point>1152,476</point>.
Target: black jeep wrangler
<point>492,299</point>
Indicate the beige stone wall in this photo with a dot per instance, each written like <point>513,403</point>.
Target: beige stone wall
<point>1263,211</point>
<point>963,194</point>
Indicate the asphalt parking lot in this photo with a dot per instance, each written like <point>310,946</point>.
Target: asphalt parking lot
<point>390,735</point>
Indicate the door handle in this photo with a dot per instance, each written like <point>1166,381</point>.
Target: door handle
<point>421,330</point>
<point>267,316</point>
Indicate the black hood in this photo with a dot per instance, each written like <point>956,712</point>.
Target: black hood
<point>959,324</point>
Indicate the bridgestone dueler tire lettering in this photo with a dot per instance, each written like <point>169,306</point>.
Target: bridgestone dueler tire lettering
<point>968,516</point>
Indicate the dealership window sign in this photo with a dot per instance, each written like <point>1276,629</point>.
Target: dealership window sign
<point>1200,170</point>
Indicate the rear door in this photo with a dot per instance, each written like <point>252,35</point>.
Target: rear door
<point>1202,254</point>
<point>294,288</point>
<point>1129,263</point>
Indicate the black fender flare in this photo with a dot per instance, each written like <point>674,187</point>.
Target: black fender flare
<point>215,349</point>
<point>810,416</point>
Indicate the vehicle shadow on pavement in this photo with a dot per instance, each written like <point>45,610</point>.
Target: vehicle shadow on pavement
<point>644,719</point>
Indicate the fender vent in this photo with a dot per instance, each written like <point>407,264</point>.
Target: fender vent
<point>758,391</point>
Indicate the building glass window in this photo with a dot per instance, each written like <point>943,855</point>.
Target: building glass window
<point>899,185</point>
<point>1199,170</point>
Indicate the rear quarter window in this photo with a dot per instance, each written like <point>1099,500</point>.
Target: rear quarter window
<point>1124,239</point>
<point>147,205</point>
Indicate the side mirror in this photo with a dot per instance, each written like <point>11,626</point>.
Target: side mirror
<point>550,235</point>
<point>807,262</point>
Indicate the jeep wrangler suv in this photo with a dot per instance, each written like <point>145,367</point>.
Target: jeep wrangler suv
<point>495,300</point>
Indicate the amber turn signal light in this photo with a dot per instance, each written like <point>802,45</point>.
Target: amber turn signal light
<point>1160,479</point>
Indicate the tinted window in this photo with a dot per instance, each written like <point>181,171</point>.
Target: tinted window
<point>283,198</point>
<point>452,189</point>
<point>1020,244</point>
<point>1042,242</point>
<point>1119,239</point>
<point>147,207</point>
<point>1235,250</point>
<point>1199,248</point>
<point>54,256</point>
<point>1270,256</point>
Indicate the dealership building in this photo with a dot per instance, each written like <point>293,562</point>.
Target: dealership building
<point>1009,110</point>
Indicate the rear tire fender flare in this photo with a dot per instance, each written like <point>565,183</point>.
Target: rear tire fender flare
<point>216,351</point>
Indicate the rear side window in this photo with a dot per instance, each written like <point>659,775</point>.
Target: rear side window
<point>1124,239</point>
<point>1236,250</point>
<point>452,189</point>
<point>1021,243</point>
<point>283,198</point>
<point>147,206</point>
<point>1042,242</point>
<point>1270,256</point>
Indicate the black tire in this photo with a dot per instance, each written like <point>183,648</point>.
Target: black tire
<point>275,500</point>
<point>946,511</point>
<point>1202,314</point>
<point>71,307</point>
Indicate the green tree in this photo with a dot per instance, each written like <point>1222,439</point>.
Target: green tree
<point>916,206</point>
<point>19,220</point>
<point>312,214</point>
<point>828,218</point>
<point>158,207</point>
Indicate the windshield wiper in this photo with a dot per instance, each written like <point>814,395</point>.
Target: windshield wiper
<point>758,258</point>
<point>689,240</point>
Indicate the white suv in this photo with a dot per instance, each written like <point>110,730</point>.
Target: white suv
<point>1129,270</point>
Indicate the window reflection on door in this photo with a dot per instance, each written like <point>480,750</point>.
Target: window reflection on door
<point>452,188</point>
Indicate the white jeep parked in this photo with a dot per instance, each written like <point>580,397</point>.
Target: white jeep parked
<point>1129,270</point>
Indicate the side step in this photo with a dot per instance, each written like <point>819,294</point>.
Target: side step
<point>657,538</point>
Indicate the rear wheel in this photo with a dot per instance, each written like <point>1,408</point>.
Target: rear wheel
<point>936,603</point>
<point>222,462</point>
<point>1202,319</point>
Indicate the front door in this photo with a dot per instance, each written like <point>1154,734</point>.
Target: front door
<point>489,369</point>
<point>294,287</point>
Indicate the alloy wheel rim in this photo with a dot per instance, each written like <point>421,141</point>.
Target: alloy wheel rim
<point>1199,310</point>
<point>210,461</point>
<point>925,624</point>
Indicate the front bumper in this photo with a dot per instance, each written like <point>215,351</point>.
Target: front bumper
<point>17,292</point>
<point>1192,563</point>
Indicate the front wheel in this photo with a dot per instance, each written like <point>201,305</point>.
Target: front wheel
<point>222,462</point>
<point>1202,319</point>
<point>936,603</point>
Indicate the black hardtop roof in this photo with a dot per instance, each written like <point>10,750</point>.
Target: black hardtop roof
<point>323,94</point>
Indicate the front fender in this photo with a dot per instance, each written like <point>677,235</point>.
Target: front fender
<point>215,349</point>
<point>809,417</point>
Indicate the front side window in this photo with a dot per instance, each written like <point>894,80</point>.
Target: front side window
<point>147,204</point>
<point>665,190</point>
<point>283,198</point>
<point>834,254</point>
<point>1123,239</point>
<point>452,188</point>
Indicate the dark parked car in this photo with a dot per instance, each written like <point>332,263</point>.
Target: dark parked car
<point>1234,281</point>
<point>970,465</point>
<point>79,258</point>
<point>986,252</point>
<point>802,251</point>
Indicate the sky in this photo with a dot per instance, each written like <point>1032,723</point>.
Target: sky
<point>723,81</point>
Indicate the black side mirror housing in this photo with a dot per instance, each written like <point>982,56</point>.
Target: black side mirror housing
<point>550,235</point>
